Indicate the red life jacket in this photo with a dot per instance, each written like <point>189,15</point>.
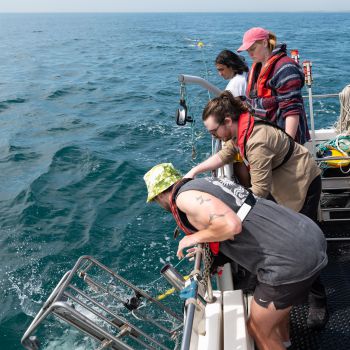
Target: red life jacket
<point>245,127</point>
<point>180,217</point>
<point>258,83</point>
<point>244,130</point>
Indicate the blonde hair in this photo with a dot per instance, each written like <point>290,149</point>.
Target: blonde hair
<point>272,41</point>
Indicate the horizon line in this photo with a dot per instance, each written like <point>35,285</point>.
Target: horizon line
<point>150,12</point>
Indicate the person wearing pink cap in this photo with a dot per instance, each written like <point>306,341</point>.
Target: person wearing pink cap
<point>274,83</point>
<point>274,94</point>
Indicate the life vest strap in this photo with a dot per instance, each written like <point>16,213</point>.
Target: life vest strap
<point>291,141</point>
<point>246,207</point>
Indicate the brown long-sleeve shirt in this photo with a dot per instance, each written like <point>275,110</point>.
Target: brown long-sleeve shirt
<point>265,150</point>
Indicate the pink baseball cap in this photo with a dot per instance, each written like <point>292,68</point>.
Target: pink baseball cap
<point>251,36</point>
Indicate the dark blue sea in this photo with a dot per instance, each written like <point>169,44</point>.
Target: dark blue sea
<point>87,105</point>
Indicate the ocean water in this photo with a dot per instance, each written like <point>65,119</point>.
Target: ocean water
<point>87,105</point>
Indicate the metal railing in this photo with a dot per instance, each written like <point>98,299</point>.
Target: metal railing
<point>340,183</point>
<point>198,292</point>
<point>192,79</point>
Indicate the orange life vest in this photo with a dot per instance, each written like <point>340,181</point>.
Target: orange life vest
<point>244,129</point>
<point>257,83</point>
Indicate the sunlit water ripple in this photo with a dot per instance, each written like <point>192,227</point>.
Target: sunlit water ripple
<point>86,108</point>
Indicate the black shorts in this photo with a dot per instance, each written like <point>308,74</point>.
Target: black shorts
<point>284,295</point>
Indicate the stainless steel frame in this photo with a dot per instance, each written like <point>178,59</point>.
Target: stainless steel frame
<point>92,305</point>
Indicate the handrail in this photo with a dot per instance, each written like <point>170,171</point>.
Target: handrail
<point>192,79</point>
<point>213,89</point>
<point>322,95</point>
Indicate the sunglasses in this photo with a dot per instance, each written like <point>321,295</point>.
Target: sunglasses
<point>214,131</point>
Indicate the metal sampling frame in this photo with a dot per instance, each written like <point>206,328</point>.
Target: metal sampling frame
<point>91,297</point>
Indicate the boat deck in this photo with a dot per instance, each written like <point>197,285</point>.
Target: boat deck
<point>336,278</point>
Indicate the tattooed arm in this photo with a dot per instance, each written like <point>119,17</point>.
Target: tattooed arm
<point>214,220</point>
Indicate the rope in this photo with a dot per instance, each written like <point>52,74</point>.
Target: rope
<point>183,94</point>
<point>206,70</point>
<point>343,153</point>
<point>342,144</point>
<point>343,124</point>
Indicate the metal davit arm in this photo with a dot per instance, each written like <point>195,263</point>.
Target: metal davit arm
<point>192,79</point>
<point>216,144</point>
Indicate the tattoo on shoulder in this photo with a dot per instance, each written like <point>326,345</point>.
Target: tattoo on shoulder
<point>201,200</point>
<point>212,217</point>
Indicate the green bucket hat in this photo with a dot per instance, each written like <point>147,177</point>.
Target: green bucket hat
<point>160,178</point>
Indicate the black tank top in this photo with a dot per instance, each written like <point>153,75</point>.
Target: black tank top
<point>277,244</point>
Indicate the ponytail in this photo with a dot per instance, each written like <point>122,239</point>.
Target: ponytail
<point>224,105</point>
<point>272,41</point>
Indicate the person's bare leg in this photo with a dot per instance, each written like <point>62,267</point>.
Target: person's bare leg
<point>265,325</point>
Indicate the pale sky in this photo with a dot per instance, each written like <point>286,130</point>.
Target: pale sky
<point>173,6</point>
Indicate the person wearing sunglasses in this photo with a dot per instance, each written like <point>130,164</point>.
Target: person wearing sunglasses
<point>280,169</point>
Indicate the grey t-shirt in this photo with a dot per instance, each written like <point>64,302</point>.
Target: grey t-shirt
<point>277,244</point>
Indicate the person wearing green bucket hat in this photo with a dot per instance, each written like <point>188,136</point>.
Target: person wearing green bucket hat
<point>160,178</point>
<point>258,234</point>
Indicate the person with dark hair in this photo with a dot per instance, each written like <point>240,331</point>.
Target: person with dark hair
<point>274,159</point>
<point>274,83</point>
<point>278,167</point>
<point>233,67</point>
<point>254,232</point>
